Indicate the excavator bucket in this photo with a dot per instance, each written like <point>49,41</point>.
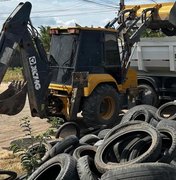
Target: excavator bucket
<point>164,9</point>
<point>13,99</point>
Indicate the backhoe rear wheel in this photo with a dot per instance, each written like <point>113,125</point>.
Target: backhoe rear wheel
<point>101,107</point>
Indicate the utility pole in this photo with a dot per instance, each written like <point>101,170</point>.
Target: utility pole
<point>122,4</point>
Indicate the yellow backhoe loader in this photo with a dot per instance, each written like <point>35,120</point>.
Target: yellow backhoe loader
<point>85,71</point>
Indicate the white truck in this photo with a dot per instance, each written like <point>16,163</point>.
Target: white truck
<point>155,62</point>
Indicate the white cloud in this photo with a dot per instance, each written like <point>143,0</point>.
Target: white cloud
<point>70,23</point>
<point>65,12</point>
<point>105,21</point>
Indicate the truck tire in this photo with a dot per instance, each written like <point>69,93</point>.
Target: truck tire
<point>147,95</point>
<point>141,146</point>
<point>167,111</point>
<point>141,115</point>
<point>164,123</point>
<point>131,111</point>
<point>154,150</point>
<point>119,127</point>
<point>90,139</point>
<point>84,150</point>
<point>103,133</point>
<point>60,147</point>
<point>168,144</point>
<point>101,107</point>
<point>68,128</point>
<point>127,150</point>
<point>62,166</point>
<point>63,145</point>
<point>147,171</point>
<point>84,168</point>
<point>11,174</point>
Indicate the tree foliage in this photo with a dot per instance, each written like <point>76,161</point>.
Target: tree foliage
<point>45,36</point>
<point>151,33</point>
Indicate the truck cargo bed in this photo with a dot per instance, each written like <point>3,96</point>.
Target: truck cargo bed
<point>155,56</point>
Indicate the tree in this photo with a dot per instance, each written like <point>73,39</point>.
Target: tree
<point>45,36</point>
<point>152,33</point>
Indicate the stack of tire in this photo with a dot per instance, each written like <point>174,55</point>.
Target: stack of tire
<point>142,146</point>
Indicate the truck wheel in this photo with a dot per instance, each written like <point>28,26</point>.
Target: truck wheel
<point>101,107</point>
<point>147,95</point>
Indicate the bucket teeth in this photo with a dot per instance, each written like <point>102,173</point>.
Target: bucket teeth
<point>13,99</point>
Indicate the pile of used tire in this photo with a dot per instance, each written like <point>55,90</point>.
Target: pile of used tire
<point>142,146</point>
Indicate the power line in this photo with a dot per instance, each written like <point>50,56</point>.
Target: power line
<point>97,3</point>
<point>82,11</point>
<point>74,14</point>
<point>64,10</point>
<point>69,14</point>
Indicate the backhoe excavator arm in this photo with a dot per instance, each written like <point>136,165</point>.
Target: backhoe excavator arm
<point>18,31</point>
<point>132,21</point>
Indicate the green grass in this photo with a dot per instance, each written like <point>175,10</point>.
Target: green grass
<point>13,74</point>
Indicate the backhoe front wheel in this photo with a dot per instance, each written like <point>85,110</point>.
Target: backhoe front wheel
<point>101,107</point>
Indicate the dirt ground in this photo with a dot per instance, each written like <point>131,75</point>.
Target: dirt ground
<point>10,129</point>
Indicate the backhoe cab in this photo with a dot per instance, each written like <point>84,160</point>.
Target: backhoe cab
<point>87,75</point>
<point>85,71</point>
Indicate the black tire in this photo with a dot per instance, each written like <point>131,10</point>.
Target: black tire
<point>60,147</point>
<point>120,148</point>
<point>101,107</point>
<point>141,115</point>
<point>119,127</point>
<point>103,133</point>
<point>22,177</point>
<point>167,108</point>
<point>84,166</point>
<point>140,146</point>
<point>89,139</point>
<point>53,142</point>
<point>67,129</point>
<point>71,149</point>
<point>131,111</point>
<point>11,174</point>
<point>168,144</point>
<point>64,144</point>
<point>92,130</point>
<point>164,123</point>
<point>116,151</point>
<point>154,122</point>
<point>99,143</point>
<point>84,150</point>
<point>173,162</point>
<point>154,149</point>
<point>124,157</point>
<point>147,95</point>
<point>147,171</point>
<point>62,166</point>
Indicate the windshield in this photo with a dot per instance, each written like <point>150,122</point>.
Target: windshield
<point>62,55</point>
<point>63,49</point>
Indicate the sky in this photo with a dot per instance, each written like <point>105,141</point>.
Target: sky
<point>68,12</point>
